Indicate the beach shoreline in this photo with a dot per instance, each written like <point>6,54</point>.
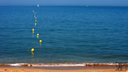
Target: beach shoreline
<point>64,67</point>
<point>34,68</point>
<point>63,64</point>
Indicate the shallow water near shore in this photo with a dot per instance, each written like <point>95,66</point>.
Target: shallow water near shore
<point>71,34</point>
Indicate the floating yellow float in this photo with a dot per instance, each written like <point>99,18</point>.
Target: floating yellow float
<point>37,35</point>
<point>40,41</point>
<point>32,51</point>
<point>33,30</point>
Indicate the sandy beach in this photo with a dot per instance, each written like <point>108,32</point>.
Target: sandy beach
<point>6,69</point>
<point>88,67</point>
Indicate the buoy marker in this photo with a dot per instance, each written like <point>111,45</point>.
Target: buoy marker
<point>32,51</point>
<point>40,41</point>
<point>33,30</point>
<point>37,35</point>
<point>36,22</point>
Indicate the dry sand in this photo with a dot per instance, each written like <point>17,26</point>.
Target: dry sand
<point>8,69</point>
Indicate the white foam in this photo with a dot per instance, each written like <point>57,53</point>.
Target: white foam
<point>15,64</point>
<point>59,65</point>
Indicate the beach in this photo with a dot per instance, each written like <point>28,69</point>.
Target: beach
<point>6,69</point>
<point>44,70</point>
<point>88,67</point>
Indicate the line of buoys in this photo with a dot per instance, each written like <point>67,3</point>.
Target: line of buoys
<point>33,31</point>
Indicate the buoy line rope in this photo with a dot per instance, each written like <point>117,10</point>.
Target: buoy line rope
<point>33,29</point>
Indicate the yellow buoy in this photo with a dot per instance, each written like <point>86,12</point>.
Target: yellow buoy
<point>40,41</point>
<point>32,51</point>
<point>37,35</point>
<point>33,30</point>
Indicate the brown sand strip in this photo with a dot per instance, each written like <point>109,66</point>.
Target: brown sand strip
<point>6,69</point>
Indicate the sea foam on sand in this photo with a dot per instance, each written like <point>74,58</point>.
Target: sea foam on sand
<point>64,64</point>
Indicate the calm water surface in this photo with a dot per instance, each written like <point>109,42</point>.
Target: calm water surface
<point>70,34</point>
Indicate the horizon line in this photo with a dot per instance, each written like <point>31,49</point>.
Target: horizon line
<point>72,5</point>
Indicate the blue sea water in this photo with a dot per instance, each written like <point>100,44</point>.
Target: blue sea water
<point>70,34</point>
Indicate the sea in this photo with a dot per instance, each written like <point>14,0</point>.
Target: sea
<point>70,34</point>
